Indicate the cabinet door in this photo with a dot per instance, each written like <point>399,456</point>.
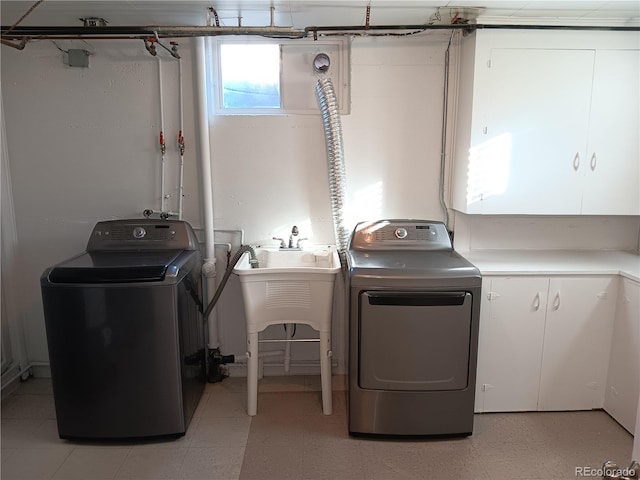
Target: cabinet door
<point>577,343</point>
<point>483,343</point>
<point>511,337</point>
<point>536,127</point>
<point>621,397</point>
<point>636,440</point>
<point>612,179</point>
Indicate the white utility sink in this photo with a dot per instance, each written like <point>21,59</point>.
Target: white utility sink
<point>289,286</point>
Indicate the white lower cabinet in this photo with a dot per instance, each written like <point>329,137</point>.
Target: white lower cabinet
<point>512,318</point>
<point>544,342</point>
<point>577,342</point>
<point>623,381</point>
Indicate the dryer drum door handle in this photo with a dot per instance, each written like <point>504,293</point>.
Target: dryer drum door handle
<point>420,299</point>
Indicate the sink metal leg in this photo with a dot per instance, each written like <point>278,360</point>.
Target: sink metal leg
<point>252,373</point>
<point>288,328</point>
<point>325,372</point>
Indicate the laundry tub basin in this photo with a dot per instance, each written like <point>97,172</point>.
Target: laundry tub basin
<point>289,286</point>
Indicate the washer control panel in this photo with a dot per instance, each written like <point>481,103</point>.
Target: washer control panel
<point>139,232</point>
<point>401,235</point>
<point>143,234</point>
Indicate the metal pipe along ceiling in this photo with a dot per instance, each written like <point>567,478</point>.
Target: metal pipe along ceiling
<point>141,32</point>
<point>48,32</point>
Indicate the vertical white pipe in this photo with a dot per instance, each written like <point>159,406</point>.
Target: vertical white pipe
<point>162,150</point>
<point>209,267</point>
<point>180,139</point>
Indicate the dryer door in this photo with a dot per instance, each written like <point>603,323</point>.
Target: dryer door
<point>414,341</point>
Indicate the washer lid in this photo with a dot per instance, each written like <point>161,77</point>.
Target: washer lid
<point>114,267</point>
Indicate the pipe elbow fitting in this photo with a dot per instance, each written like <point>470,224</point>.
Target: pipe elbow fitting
<point>209,268</point>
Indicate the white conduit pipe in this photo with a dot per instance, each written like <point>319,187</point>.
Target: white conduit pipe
<point>268,353</point>
<point>180,142</point>
<point>335,157</point>
<point>238,359</point>
<point>163,147</point>
<point>209,267</point>
<point>443,140</point>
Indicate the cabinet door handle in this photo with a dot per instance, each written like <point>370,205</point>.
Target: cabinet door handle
<point>556,302</point>
<point>592,164</point>
<point>536,302</point>
<point>576,161</point>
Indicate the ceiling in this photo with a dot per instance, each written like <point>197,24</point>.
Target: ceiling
<point>303,13</point>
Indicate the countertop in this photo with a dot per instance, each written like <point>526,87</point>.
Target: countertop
<point>555,262</point>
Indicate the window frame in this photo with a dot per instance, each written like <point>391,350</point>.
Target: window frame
<point>340,75</point>
<point>219,96</point>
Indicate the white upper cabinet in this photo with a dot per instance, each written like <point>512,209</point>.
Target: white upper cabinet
<point>547,123</point>
<point>613,154</point>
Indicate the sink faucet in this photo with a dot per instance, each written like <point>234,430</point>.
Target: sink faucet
<point>294,235</point>
<point>294,241</point>
<point>282,242</point>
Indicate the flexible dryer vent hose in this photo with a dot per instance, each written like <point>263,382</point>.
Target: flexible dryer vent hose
<point>329,108</point>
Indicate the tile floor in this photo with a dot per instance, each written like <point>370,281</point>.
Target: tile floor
<point>291,439</point>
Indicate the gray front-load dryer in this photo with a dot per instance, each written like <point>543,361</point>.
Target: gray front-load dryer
<point>125,332</point>
<point>413,328</point>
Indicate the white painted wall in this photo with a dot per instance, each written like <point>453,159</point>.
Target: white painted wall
<point>14,356</point>
<point>534,232</point>
<point>392,136</point>
<point>271,172</point>
<point>82,145</point>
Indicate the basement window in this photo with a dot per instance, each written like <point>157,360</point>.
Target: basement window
<point>275,77</point>
<point>250,76</point>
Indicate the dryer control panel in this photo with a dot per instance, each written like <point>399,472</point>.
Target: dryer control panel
<point>401,234</point>
<point>142,234</point>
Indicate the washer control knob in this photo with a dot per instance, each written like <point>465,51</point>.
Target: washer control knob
<point>139,232</point>
<point>401,233</point>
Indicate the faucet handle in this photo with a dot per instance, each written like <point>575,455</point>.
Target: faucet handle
<point>300,240</point>
<point>283,244</point>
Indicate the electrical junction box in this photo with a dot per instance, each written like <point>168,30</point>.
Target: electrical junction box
<point>78,58</point>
